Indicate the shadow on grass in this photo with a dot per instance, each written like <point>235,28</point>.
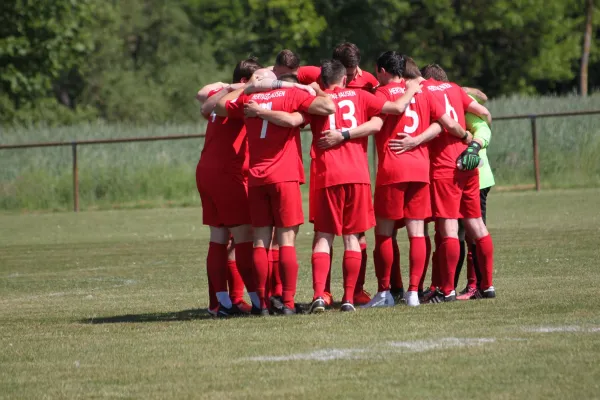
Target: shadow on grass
<point>185,315</point>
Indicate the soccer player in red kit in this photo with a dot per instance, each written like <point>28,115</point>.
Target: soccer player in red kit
<point>222,181</point>
<point>455,192</point>
<point>275,175</point>
<point>349,55</point>
<point>402,186</point>
<point>342,193</point>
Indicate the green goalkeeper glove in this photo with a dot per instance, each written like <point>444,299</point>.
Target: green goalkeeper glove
<point>469,159</point>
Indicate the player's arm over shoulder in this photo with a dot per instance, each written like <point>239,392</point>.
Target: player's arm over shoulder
<point>319,105</point>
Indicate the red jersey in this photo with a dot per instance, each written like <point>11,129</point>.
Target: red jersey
<point>412,166</point>
<point>445,149</point>
<point>310,74</point>
<point>347,162</point>
<point>225,148</point>
<point>275,151</point>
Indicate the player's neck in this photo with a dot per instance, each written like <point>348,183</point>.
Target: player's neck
<point>395,79</point>
<point>335,86</point>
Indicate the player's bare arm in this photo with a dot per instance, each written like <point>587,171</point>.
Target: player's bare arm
<point>202,94</point>
<point>209,105</point>
<point>266,84</point>
<point>334,137</point>
<point>281,118</point>
<point>221,107</point>
<point>398,106</point>
<point>455,129</point>
<point>404,142</point>
<point>478,94</point>
<point>480,111</point>
<point>322,105</point>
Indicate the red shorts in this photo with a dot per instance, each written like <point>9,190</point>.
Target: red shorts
<point>276,204</point>
<point>224,200</point>
<point>458,197</point>
<point>344,209</point>
<point>312,191</point>
<point>397,201</point>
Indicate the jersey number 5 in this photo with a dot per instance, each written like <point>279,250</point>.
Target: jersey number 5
<point>349,116</point>
<point>263,131</point>
<point>409,113</point>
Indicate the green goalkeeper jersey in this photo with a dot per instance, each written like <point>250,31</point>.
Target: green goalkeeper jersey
<point>481,130</point>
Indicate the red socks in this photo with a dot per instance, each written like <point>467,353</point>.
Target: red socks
<point>244,254</point>
<point>288,268</point>
<point>396,275</point>
<point>418,254</point>
<point>360,283</point>
<point>321,268</point>
<point>383,257</point>
<point>235,281</point>
<point>427,258</point>
<point>351,269</point>
<point>485,258</point>
<point>276,288</point>
<point>261,271</point>
<point>436,276</point>
<point>216,265</point>
<point>213,302</point>
<point>448,255</point>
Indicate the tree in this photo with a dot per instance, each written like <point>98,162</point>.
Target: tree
<point>587,40</point>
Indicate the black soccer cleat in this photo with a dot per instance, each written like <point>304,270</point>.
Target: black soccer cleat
<point>261,312</point>
<point>439,297</point>
<point>276,305</point>
<point>398,295</point>
<point>288,311</point>
<point>317,306</point>
<point>232,311</point>
<point>347,307</point>
<point>489,293</point>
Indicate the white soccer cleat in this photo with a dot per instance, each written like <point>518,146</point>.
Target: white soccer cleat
<point>381,299</point>
<point>412,299</point>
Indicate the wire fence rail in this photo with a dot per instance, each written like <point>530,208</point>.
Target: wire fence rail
<point>75,143</point>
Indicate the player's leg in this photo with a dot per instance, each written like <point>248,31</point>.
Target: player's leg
<point>427,258</point>
<point>234,279</point>
<point>361,296</point>
<point>389,208</point>
<point>321,267</point>
<point>276,289</point>
<point>461,258</point>
<point>447,195</point>
<point>417,207</point>
<point>286,203</point>
<point>351,267</point>
<point>396,285</point>
<point>244,251</point>
<point>357,216</point>
<point>216,264</point>
<point>477,230</point>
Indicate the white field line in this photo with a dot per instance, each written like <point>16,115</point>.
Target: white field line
<point>415,346</point>
<point>559,329</point>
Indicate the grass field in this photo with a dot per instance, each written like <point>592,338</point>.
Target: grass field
<point>159,173</point>
<point>111,304</point>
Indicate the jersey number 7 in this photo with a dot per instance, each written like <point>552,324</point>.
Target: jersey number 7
<point>263,131</point>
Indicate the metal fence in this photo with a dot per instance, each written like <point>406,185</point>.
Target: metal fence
<point>74,144</point>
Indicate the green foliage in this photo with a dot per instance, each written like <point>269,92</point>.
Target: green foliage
<point>141,61</point>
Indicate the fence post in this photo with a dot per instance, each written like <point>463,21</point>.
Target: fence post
<point>536,152</point>
<point>75,178</point>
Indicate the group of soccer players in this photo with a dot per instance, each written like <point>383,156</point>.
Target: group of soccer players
<point>251,169</point>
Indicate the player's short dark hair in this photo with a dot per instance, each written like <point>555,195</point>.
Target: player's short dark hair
<point>332,71</point>
<point>411,69</point>
<point>287,58</point>
<point>392,62</point>
<point>348,54</point>
<point>245,69</point>
<point>436,72</point>
<point>289,78</point>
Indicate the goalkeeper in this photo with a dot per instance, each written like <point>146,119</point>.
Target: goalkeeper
<point>475,157</point>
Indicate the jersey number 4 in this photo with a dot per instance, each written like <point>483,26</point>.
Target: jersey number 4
<point>349,116</point>
<point>263,131</point>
